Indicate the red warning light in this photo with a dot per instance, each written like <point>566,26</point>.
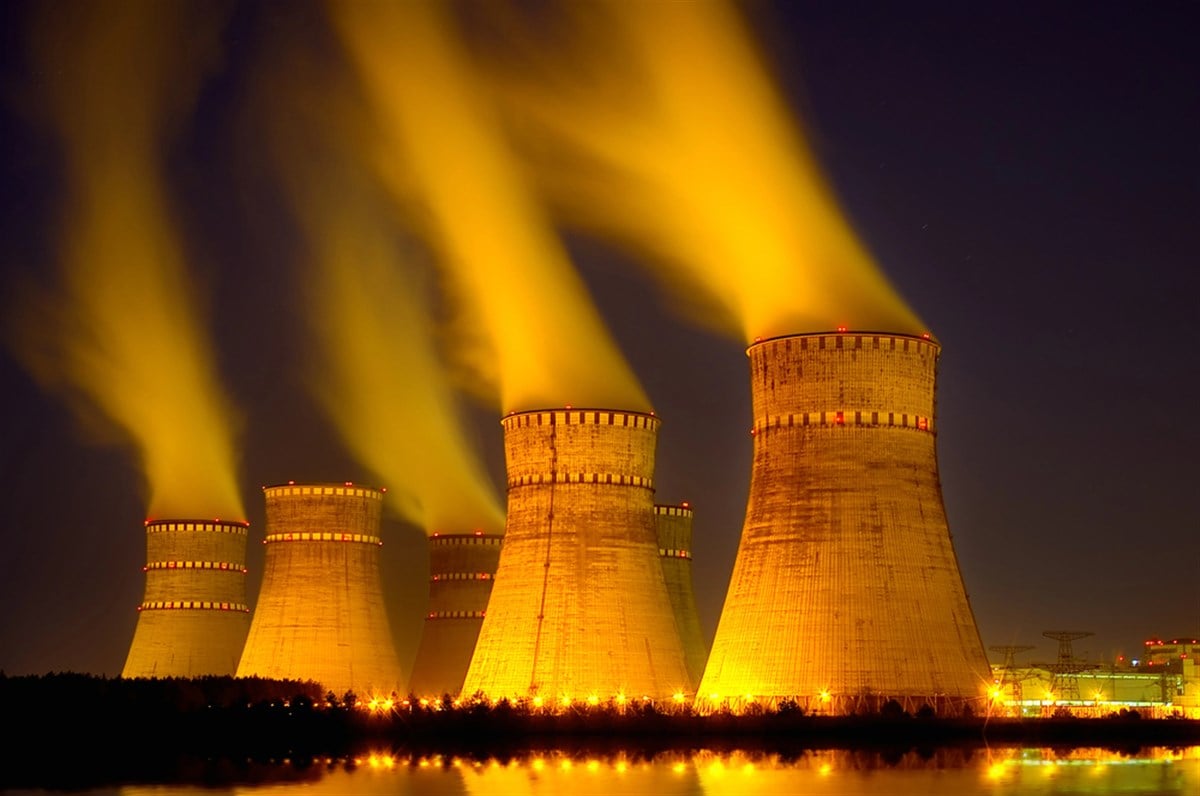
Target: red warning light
<point>841,328</point>
<point>840,418</point>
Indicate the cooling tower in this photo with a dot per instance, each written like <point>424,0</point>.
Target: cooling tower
<point>462,568</point>
<point>846,591</point>
<point>320,613</point>
<point>193,619</point>
<point>579,608</point>
<point>674,526</point>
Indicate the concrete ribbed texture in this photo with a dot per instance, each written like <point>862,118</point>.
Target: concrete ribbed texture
<point>320,614</point>
<point>674,527</point>
<point>462,569</point>
<point>193,618</point>
<point>846,591</point>
<point>580,606</point>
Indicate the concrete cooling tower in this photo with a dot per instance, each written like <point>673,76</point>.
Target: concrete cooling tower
<point>320,613</point>
<point>674,527</point>
<point>462,568</point>
<point>846,591</point>
<point>193,619</point>
<point>580,608</point>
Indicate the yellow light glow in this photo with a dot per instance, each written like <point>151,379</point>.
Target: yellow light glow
<point>825,695</point>
<point>537,701</point>
<point>565,701</point>
<point>679,768</point>
<point>593,700</point>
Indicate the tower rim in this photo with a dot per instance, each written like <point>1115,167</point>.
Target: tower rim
<point>196,520</point>
<point>342,484</point>
<point>920,338</point>
<point>572,408</point>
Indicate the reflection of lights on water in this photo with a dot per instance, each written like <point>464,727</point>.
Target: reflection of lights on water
<point>997,770</point>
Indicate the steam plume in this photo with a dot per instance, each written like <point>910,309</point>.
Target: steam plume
<point>122,336</point>
<point>375,367</point>
<point>657,123</point>
<point>544,343</point>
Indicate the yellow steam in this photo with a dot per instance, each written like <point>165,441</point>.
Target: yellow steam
<point>380,379</point>
<point>374,364</point>
<point>544,340</point>
<point>682,146</point>
<point>123,336</point>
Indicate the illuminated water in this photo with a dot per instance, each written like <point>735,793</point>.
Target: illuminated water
<point>951,771</point>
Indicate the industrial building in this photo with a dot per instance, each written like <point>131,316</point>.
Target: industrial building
<point>674,527</point>
<point>1161,682</point>
<point>846,592</point>
<point>320,613</point>
<point>462,569</point>
<point>579,609</point>
<point>193,618</point>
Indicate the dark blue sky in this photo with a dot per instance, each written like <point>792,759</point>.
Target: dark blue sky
<point>1028,175</point>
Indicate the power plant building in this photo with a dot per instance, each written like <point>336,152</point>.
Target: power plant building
<point>320,614</point>
<point>462,569</point>
<point>193,618</point>
<point>846,591</point>
<point>579,609</point>
<point>674,527</point>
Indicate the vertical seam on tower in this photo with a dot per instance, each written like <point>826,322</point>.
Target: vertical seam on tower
<point>541,618</point>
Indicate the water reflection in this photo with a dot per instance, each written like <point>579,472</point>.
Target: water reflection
<point>845,772</point>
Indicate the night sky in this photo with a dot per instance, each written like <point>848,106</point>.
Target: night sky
<point>1028,177</point>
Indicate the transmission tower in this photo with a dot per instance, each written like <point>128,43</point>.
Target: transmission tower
<point>1065,684</point>
<point>1008,676</point>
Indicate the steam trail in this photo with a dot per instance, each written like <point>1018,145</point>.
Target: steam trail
<point>664,130</point>
<point>122,335</point>
<point>375,367</point>
<point>544,343</point>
